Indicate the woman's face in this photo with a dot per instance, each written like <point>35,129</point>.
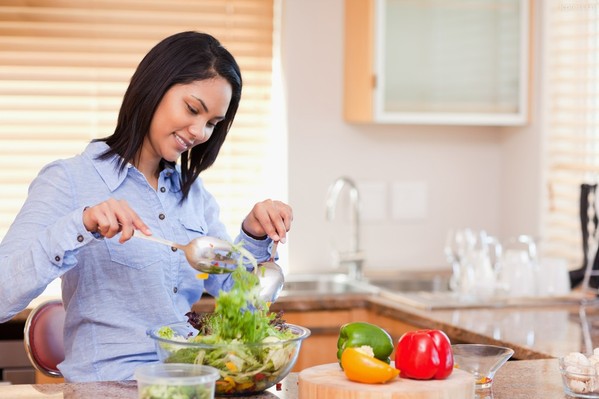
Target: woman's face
<point>185,117</point>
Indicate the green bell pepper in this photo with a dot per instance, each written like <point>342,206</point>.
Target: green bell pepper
<point>359,333</point>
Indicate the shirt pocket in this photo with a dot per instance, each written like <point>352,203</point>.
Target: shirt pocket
<point>194,227</point>
<point>135,253</point>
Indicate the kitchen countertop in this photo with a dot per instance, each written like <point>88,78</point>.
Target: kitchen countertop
<point>527,379</point>
<point>537,332</point>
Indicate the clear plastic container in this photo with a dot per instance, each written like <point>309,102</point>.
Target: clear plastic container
<point>175,380</point>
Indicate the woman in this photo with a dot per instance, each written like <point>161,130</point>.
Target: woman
<point>78,220</point>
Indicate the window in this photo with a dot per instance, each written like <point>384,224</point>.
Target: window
<point>572,119</point>
<point>65,65</point>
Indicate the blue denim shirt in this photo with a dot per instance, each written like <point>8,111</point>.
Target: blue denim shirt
<point>112,292</point>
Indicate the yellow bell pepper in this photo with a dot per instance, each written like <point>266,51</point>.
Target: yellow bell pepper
<point>360,365</point>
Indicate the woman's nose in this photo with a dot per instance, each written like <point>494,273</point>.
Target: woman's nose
<point>198,132</point>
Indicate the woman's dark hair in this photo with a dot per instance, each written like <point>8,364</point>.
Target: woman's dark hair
<point>179,59</point>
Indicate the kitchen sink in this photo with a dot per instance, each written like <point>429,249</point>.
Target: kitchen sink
<point>412,284</point>
<point>320,284</point>
<point>424,290</point>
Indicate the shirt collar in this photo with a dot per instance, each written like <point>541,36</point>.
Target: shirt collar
<point>109,169</point>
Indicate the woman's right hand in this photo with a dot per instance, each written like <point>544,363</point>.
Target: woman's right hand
<point>112,216</point>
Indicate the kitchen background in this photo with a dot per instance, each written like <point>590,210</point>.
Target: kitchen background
<point>416,181</point>
<point>473,176</point>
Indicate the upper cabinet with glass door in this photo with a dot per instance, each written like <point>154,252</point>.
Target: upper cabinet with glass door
<point>437,61</point>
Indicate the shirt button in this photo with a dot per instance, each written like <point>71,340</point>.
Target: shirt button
<point>161,216</point>
<point>175,290</point>
<point>57,258</point>
<point>173,249</point>
<point>80,238</point>
<point>162,189</point>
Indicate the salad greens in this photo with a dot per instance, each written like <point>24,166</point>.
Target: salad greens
<point>158,391</point>
<point>247,343</point>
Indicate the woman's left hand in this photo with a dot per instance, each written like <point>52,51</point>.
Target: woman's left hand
<point>269,218</point>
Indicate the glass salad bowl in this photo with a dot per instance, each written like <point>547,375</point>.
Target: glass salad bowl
<point>244,368</point>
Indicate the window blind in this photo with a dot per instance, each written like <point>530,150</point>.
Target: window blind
<point>572,121</point>
<point>65,65</point>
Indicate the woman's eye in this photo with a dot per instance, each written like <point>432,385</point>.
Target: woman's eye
<point>192,109</point>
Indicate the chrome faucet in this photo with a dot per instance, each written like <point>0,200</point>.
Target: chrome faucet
<point>353,258</point>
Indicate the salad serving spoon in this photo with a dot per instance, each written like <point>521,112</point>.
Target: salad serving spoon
<point>206,254</point>
<point>212,255</point>
<point>271,277</point>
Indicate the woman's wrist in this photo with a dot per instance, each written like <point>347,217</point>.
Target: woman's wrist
<point>264,237</point>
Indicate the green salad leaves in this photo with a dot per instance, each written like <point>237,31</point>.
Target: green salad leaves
<point>248,344</point>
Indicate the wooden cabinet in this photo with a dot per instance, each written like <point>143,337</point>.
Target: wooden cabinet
<point>321,346</point>
<point>44,379</point>
<point>437,62</point>
<point>395,328</point>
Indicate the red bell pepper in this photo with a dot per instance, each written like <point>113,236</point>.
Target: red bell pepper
<point>424,355</point>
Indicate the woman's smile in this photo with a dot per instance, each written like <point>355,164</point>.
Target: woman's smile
<point>184,144</point>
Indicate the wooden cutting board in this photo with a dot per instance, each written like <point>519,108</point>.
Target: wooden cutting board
<point>328,381</point>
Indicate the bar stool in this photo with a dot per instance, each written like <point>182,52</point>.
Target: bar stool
<point>43,337</point>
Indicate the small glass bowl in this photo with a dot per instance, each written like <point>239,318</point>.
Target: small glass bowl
<point>176,380</point>
<point>579,382</point>
<point>481,360</point>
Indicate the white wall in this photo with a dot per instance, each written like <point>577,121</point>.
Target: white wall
<point>522,180</point>
<point>482,177</point>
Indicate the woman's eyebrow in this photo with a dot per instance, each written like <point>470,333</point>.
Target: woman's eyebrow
<point>202,103</point>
